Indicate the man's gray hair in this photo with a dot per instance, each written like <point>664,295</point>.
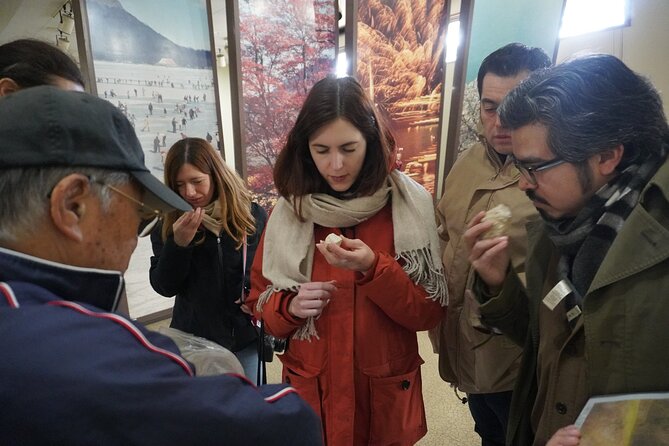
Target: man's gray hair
<point>25,195</point>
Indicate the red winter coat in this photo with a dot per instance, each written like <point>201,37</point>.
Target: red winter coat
<point>362,376</point>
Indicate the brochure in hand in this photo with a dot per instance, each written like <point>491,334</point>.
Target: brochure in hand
<point>637,419</point>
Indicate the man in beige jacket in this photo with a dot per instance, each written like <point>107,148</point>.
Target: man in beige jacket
<point>473,359</point>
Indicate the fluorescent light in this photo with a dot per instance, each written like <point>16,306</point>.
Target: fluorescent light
<point>586,16</point>
<point>452,41</point>
<point>342,65</point>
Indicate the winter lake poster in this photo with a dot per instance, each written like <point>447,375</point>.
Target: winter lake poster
<point>152,59</point>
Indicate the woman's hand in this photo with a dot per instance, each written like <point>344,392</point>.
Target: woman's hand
<point>311,299</point>
<point>489,257</point>
<point>186,226</point>
<point>567,436</point>
<point>353,254</point>
<point>245,308</point>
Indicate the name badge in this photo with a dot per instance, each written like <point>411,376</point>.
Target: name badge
<point>559,292</point>
<point>573,313</point>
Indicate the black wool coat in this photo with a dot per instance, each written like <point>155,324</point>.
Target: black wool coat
<point>206,279</point>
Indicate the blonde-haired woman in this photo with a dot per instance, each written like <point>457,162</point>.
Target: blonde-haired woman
<point>198,255</point>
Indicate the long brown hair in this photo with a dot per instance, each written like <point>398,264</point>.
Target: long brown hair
<point>230,190</point>
<point>295,173</point>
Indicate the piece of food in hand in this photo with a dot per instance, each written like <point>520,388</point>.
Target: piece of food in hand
<point>333,238</point>
<point>499,216</point>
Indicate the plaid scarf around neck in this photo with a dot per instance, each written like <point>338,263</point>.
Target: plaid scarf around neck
<point>289,244</point>
<point>584,240</point>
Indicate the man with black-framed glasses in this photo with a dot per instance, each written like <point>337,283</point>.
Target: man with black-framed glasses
<point>74,195</point>
<point>590,138</point>
<point>529,170</point>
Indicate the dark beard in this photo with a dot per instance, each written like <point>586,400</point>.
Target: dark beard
<point>557,222</point>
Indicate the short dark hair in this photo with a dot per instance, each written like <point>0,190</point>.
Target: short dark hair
<point>295,173</point>
<point>510,60</point>
<point>590,104</point>
<point>32,62</point>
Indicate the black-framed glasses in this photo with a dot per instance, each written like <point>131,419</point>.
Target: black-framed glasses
<point>529,170</point>
<point>149,217</point>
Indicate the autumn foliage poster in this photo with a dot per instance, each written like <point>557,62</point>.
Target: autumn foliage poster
<point>286,47</point>
<point>400,50</point>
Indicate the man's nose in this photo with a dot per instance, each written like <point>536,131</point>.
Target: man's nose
<point>524,184</point>
<point>498,122</point>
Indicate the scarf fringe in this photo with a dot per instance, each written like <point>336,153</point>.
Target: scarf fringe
<point>306,331</point>
<point>263,298</point>
<point>422,271</point>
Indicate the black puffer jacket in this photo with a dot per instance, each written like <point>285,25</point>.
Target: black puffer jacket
<point>207,280</point>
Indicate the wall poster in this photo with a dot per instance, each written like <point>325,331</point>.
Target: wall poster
<point>286,46</point>
<point>400,60</point>
<point>153,60</point>
<point>494,24</point>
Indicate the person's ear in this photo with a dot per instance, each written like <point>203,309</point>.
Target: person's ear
<point>7,86</point>
<point>67,205</point>
<point>608,160</point>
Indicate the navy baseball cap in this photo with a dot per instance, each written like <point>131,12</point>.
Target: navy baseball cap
<point>46,126</point>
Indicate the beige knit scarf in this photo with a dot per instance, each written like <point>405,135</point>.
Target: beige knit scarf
<point>289,243</point>
<point>212,218</point>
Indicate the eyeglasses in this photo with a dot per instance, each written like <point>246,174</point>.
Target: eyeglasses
<point>529,170</point>
<point>149,217</point>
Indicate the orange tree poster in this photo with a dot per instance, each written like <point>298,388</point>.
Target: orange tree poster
<point>400,59</point>
<point>286,47</point>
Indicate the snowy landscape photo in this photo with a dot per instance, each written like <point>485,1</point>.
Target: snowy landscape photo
<point>164,86</point>
<point>156,67</point>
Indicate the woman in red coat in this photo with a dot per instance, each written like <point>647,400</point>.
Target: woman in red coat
<point>351,307</point>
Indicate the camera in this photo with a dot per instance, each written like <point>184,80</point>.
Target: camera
<point>275,344</point>
<point>270,344</point>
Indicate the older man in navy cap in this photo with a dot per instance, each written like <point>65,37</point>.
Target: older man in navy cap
<point>74,195</point>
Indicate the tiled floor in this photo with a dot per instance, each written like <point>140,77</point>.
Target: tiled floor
<point>449,421</point>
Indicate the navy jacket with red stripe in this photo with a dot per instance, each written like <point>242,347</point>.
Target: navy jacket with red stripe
<point>72,373</point>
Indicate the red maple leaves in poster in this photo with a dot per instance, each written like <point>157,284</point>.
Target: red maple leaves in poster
<point>286,46</point>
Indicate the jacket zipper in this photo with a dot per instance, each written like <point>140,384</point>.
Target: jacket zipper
<point>220,266</point>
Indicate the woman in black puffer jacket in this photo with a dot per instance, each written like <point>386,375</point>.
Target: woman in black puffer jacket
<point>198,255</point>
